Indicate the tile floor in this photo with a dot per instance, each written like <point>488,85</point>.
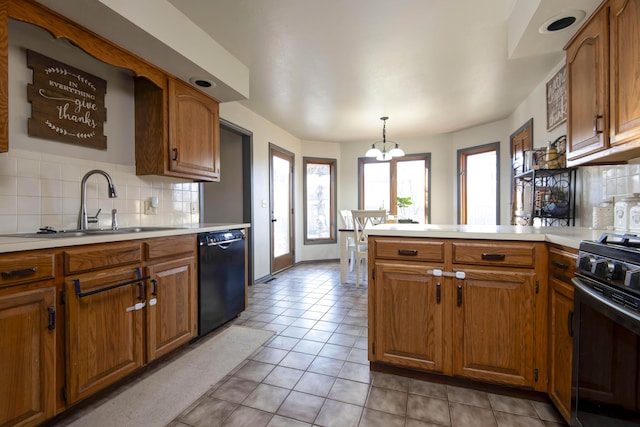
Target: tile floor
<point>314,371</point>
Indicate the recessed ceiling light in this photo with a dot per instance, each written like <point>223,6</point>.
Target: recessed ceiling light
<point>562,21</point>
<point>203,82</point>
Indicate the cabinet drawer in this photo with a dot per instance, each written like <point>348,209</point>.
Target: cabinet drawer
<point>520,254</point>
<point>410,250</point>
<point>170,246</point>
<point>95,257</point>
<point>16,269</point>
<point>562,264</point>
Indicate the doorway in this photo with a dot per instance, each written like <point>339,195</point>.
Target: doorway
<point>281,174</point>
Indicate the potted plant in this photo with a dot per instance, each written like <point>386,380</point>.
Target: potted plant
<point>403,203</point>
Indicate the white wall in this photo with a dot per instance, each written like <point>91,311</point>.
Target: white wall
<point>265,132</point>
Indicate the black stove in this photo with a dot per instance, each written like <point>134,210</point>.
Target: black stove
<point>613,260</point>
<point>605,330</point>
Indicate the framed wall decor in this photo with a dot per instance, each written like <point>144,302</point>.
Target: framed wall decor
<point>557,99</point>
<point>67,104</point>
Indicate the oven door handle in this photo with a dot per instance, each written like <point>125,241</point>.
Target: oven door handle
<point>631,316</point>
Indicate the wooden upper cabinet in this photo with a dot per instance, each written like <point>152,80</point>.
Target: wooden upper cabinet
<point>194,132</point>
<point>603,86</point>
<point>625,71</point>
<point>587,88</point>
<point>177,131</point>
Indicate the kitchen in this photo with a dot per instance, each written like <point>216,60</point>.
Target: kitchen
<point>25,163</point>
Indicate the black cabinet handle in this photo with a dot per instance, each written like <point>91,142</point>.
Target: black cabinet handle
<point>52,318</point>
<point>175,154</point>
<point>18,273</point>
<point>559,265</point>
<point>570,323</point>
<point>408,252</point>
<point>154,290</point>
<point>459,295</point>
<point>438,293</point>
<point>493,257</point>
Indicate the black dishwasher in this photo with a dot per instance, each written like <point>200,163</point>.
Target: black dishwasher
<point>221,278</point>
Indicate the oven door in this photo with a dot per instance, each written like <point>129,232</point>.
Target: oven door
<point>606,374</point>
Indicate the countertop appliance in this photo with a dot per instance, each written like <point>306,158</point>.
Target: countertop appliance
<point>606,333</point>
<point>221,278</point>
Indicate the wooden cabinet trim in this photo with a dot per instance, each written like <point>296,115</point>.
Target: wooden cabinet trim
<point>26,268</point>
<point>170,246</point>
<point>506,254</point>
<point>81,259</point>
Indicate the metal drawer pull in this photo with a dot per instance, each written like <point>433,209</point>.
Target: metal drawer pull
<point>81,294</point>
<point>459,295</point>
<point>438,293</point>
<point>559,265</point>
<point>408,252</point>
<point>493,257</point>
<point>18,273</point>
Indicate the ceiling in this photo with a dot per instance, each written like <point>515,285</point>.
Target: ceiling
<point>327,70</point>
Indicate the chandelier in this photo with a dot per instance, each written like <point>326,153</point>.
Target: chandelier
<point>382,154</point>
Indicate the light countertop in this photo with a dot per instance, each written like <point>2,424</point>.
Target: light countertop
<point>565,236</point>
<point>16,244</point>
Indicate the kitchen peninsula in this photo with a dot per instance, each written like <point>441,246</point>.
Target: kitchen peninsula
<point>470,303</point>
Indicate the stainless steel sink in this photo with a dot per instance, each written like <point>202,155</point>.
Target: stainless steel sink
<point>90,232</point>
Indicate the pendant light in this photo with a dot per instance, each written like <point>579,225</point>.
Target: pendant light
<point>382,154</point>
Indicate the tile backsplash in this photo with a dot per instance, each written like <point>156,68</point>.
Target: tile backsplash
<point>611,182</point>
<point>38,190</point>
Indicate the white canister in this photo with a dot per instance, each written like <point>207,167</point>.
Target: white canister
<point>634,218</point>
<point>621,212</point>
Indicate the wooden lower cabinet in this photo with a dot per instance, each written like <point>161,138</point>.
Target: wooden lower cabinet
<point>560,345</point>
<point>172,306</point>
<point>482,316</point>
<point>27,356</point>
<point>104,334</point>
<point>493,326</point>
<point>412,317</point>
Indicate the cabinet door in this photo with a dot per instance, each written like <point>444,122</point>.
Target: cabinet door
<point>410,317</point>
<point>625,77</point>
<point>194,132</point>
<point>104,329</point>
<point>493,326</point>
<point>172,309</point>
<point>587,89</point>
<point>27,357</point>
<point>560,345</point>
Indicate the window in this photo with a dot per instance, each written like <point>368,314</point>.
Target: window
<point>319,200</point>
<point>478,185</point>
<point>382,185</point>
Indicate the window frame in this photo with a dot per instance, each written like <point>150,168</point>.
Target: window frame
<point>333,224</point>
<point>462,154</point>
<point>393,169</point>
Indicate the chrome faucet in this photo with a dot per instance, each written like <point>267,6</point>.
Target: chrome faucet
<point>83,221</point>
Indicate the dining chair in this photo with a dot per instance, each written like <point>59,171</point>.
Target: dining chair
<point>350,248</point>
<point>363,219</point>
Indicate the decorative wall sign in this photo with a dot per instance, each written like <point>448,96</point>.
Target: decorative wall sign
<point>557,99</point>
<point>67,104</point>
